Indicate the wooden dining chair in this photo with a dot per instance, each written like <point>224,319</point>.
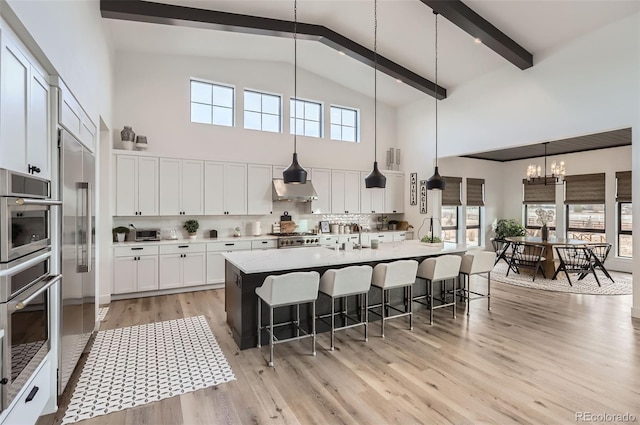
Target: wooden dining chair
<point>528,256</point>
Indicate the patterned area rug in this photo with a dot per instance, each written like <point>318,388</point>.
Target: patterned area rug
<point>128,367</point>
<point>102,313</point>
<point>622,285</point>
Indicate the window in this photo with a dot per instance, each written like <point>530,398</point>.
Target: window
<point>473,226</point>
<point>308,118</point>
<point>262,111</point>
<point>475,203</point>
<point>449,223</point>
<point>586,222</point>
<point>344,124</point>
<point>625,225</point>
<point>531,219</point>
<point>212,103</point>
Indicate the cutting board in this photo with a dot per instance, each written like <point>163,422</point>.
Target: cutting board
<point>287,226</point>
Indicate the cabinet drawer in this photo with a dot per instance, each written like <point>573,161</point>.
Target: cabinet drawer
<point>27,412</point>
<point>127,251</point>
<point>229,246</point>
<point>182,248</point>
<point>265,244</point>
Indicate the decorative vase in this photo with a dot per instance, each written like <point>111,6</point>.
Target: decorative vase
<point>544,231</point>
<point>127,134</point>
<point>193,235</point>
<point>141,143</point>
<point>120,236</point>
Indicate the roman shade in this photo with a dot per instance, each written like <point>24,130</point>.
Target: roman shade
<point>475,192</point>
<point>585,189</point>
<point>539,192</point>
<point>623,186</point>
<point>451,192</point>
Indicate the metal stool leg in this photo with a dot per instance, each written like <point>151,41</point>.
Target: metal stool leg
<point>297,320</point>
<point>431,303</point>
<point>333,324</point>
<point>384,307</point>
<point>455,284</point>
<point>410,306</point>
<point>489,291</point>
<point>313,326</point>
<point>366,317</point>
<point>259,321</point>
<point>271,336</point>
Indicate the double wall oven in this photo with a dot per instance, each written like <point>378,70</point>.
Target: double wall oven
<point>25,277</point>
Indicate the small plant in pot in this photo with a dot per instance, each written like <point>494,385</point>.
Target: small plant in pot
<point>120,233</point>
<point>191,226</point>
<point>505,228</point>
<point>432,240</point>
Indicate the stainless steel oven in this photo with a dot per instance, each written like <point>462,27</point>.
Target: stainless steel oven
<point>25,224</point>
<point>24,316</point>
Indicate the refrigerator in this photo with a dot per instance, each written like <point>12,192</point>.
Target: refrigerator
<point>77,295</point>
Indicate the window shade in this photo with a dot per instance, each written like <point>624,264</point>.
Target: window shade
<point>539,193</point>
<point>475,192</point>
<point>585,189</point>
<point>623,184</point>
<point>451,192</point>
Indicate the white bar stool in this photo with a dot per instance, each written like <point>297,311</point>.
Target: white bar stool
<point>387,276</point>
<point>439,269</point>
<point>476,263</point>
<point>341,283</point>
<point>284,290</point>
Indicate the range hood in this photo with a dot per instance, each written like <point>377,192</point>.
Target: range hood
<point>293,192</point>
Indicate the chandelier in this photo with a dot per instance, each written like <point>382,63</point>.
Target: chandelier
<point>535,173</point>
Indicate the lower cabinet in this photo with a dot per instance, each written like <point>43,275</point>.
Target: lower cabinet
<point>135,269</point>
<point>215,260</point>
<point>29,405</point>
<point>182,265</point>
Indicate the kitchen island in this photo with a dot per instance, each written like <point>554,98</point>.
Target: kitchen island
<point>246,270</point>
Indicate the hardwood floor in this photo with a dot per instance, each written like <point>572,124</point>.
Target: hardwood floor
<point>537,358</point>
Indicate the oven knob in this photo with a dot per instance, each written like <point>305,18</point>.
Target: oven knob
<point>315,240</point>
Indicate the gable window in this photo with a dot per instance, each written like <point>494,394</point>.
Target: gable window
<point>212,103</point>
<point>344,124</point>
<point>306,118</point>
<point>262,111</point>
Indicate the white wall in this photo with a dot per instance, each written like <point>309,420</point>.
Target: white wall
<point>153,96</point>
<point>588,86</point>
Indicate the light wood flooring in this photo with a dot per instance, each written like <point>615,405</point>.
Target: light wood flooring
<point>537,358</point>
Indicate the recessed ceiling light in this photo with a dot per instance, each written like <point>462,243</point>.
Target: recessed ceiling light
<point>342,53</point>
<point>398,80</point>
<point>477,40</point>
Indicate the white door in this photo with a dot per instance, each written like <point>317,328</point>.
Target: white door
<point>147,273</point>
<point>170,186</point>
<point>38,142</point>
<point>397,182</point>
<point>147,178</point>
<point>215,267</point>
<point>321,180</point>
<point>126,185</point>
<point>235,189</point>
<point>214,188</point>
<point>259,189</point>
<point>193,269</point>
<point>192,187</point>
<point>14,103</point>
<point>377,200</point>
<point>337,191</point>
<point>124,275</point>
<point>170,271</point>
<point>352,192</point>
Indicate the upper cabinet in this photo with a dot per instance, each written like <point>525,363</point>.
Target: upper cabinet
<point>345,192</point>
<point>371,200</point>
<point>259,189</point>
<point>136,185</point>
<point>25,137</point>
<point>321,180</point>
<point>394,193</point>
<point>225,188</point>
<point>72,117</point>
<point>181,187</point>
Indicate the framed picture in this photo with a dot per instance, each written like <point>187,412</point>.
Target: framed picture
<point>324,227</point>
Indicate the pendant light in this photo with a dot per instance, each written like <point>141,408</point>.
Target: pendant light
<point>295,174</point>
<point>375,180</point>
<point>436,182</point>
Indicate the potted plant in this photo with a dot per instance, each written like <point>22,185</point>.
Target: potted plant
<point>120,233</point>
<point>191,226</point>
<point>505,228</point>
<point>432,240</point>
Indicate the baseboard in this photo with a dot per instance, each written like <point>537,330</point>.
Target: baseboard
<point>635,312</point>
<point>104,299</point>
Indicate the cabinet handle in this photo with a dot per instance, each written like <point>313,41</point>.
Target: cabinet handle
<point>183,246</point>
<point>229,244</point>
<point>32,394</point>
<point>264,241</point>
<point>137,249</point>
<point>346,212</point>
<point>33,169</point>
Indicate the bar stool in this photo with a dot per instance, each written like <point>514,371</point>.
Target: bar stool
<point>341,283</point>
<point>387,276</point>
<point>285,290</point>
<point>476,263</point>
<point>439,269</point>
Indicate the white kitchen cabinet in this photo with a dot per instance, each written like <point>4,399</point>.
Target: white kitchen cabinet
<point>328,240</point>
<point>136,186</point>
<point>345,192</point>
<point>321,180</point>
<point>31,401</point>
<point>225,188</point>
<point>24,111</point>
<point>170,271</point>
<point>399,236</point>
<point>135,269</point>
<point>215,260</point>
<point>371,200</point>
<point>182,265</point>
<point>259,189</point>
<point>381,236</point>
<point>181,187</point>
<point>394,193</point>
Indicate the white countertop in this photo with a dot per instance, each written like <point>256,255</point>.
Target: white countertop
<point>195,241</point>
<point>303,258</point>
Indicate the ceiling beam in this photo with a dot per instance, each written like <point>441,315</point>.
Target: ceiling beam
<point>167,14</point>
<point>461,15</point>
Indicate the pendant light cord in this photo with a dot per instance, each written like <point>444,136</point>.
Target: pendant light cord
<point>436,49</point>
<point>375,80</point>
<point>295,75</point>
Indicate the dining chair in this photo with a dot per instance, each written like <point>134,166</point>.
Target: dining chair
<point>528,256</point>
<point>599,254</point>
<point>575,259</point>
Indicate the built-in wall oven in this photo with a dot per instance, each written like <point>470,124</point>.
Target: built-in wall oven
<point>24,316</point>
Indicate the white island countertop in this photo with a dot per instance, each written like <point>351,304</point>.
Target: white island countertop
<point>311,257</point>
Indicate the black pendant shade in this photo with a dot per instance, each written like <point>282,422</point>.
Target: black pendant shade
<point>294,173</point>
<point>435,182</point>
<point>375,179</point>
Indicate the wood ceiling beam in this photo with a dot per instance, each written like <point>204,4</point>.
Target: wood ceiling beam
<point>461,15</point>
<point>167,14</point>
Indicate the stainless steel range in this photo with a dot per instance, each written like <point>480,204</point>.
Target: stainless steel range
<point>296,240</point>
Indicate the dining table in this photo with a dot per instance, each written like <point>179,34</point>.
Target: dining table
<point>548,264</point>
